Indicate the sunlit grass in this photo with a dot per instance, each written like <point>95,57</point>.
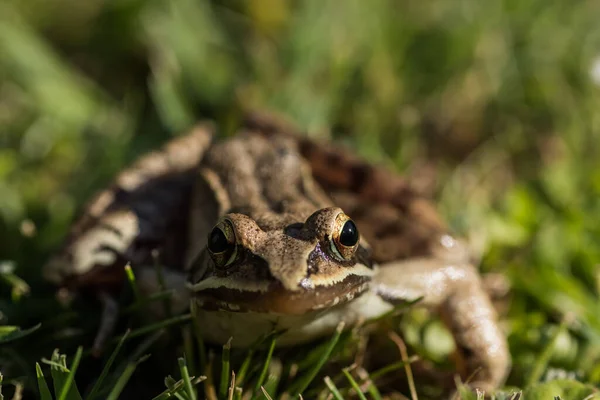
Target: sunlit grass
<point>488,107</point>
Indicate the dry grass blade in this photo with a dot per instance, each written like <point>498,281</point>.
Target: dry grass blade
<point>334,391</point>
<point>265,393</point>
<point>591,396</point>
<point>404,355</point>
<point>231,387</point>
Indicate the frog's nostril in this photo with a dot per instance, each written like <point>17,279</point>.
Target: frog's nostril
<point>294,230</point>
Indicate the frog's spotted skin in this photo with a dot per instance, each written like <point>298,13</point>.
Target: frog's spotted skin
<point>274,205</point>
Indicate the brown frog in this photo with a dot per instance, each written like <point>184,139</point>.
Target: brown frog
<point>275,231</point>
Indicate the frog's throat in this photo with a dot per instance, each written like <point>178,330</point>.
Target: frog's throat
<point>218,293</point>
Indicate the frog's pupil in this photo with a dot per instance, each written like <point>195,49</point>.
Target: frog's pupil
<point>349,234</point>
<point>217,242</point>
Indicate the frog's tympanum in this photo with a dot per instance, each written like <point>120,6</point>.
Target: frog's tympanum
<point>270,230</point>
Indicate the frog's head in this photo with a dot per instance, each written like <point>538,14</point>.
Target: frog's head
<point>281,265</point>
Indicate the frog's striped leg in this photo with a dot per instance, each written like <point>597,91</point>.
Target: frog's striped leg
<point>145,208</point>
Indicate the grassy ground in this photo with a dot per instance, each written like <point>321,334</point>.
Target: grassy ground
<point>493,109</point>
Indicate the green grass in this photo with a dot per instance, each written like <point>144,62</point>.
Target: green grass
<point>490,107</point>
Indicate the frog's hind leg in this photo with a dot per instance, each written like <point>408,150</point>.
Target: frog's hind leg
<point>143,209</point>
<point>456,291</point>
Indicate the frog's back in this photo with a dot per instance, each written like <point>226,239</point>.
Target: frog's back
<point>395,219</point>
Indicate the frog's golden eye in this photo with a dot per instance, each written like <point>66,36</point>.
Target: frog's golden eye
<point>221,244</point>
<point>345,239</point>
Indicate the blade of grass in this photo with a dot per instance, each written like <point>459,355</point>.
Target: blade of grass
<point>199,338</point>
<point>265,369</point>
<point>275,370</point>
<point>175,386</point>
<point>353,383</point>
<point>60,372</point>
<point>107,366</point>
<point>166,394</point>
<point>170,383</point>
<point>241,376</point>
<point>18,285</point>
<point>266,393</point>
<point>299,386</point>
<point>243,370</point>
<point>209,387</point>
<point>163,295</point>
<point>403,353</point>
<point>52,364</point>
<point>238,393</point>
<point>463,391</point>
<point>392,367</point>
<point>188,349</point>
<point>153,327</point>
<point>191,392</point>
<point>2,380</point>
<point>314,355</point>
<point>394,311</point>
<point>66,389</point>
<point>544,357</point>
<point>371,388</point>
<point>10,333</point>
<point>133,283</point>
<point>126,368</point>
<point>333,389</point>
<point>160,276</point>
<point>124,378</point>
<point>224,382</point>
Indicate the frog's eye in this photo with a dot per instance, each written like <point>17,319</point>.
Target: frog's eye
<point>221,244</point>
<point>346,237</point>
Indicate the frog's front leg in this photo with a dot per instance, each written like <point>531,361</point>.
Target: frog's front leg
<point>455,289</point>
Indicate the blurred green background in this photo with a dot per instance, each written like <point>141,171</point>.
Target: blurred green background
<point>490,107</point>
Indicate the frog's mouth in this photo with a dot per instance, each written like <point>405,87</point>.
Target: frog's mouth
<point>217,293</point>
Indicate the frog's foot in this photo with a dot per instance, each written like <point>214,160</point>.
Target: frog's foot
<point>108,321</point>
<point>455,289</point>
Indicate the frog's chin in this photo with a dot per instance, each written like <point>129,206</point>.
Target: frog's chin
<point>216,294</point>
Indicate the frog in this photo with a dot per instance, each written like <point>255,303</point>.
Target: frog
<point>269,230</point>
